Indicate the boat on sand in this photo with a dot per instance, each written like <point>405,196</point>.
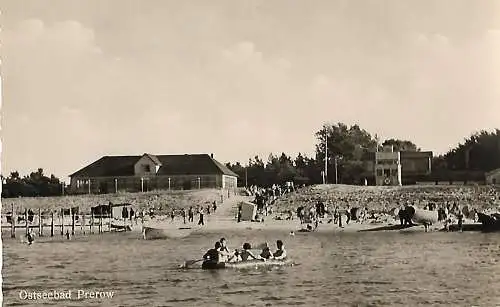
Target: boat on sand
<point>422,216</point>
<point>489,223</point>
<point>154,233</point>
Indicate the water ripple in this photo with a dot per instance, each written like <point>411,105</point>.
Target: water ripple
<point>369,269</point>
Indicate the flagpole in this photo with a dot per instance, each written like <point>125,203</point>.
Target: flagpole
<point>326,155</point>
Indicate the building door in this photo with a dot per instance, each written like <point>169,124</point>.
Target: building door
<point>186,185</point>
<point>103,188</point>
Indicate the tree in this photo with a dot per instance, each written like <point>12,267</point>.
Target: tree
<point>480,151</point>
<point>36,184</point>
<point>401,145</point>
<point>344,144</point>
<point>348,145</point>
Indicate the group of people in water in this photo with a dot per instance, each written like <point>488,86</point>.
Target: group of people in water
<point>221,254</point>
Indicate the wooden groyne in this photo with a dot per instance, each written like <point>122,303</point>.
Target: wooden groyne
<point>65,222</point>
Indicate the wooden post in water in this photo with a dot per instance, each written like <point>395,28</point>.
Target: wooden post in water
<point>72,222</point>
<point>110,215</point>
<point>26,220</point>
<point>82,223</point>
<point>51,223</point>
<point>91,221</point>
<point>100,222</point>
<point>13,224</point>
<point>40,223</point>
<point>62,222</point>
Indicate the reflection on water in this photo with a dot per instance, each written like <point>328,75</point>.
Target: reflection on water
<point>365,269</point>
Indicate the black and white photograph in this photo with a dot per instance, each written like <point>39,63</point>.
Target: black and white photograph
<point>250,153</point>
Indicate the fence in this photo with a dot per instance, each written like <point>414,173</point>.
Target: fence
<point>67,224</point>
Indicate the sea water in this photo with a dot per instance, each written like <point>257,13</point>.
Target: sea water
<point>342,269</point>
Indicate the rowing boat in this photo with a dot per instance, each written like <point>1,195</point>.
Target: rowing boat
<point>122,227</point>
<point>153,233</point>
<point>246,264</point>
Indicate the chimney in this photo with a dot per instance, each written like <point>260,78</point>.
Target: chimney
<point>212,155</point>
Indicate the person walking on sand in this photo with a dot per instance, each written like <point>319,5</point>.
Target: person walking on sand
<point>172,215</point>
<point>184,214</point>
<point>214,206</point>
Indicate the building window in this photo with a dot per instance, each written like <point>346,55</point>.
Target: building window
<point>146,168</point>
<point>394,172</point>
<point>379,172</point>
<point>387,172</point>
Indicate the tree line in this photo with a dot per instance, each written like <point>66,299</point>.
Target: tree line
<point>347,149</point>
<point>34,184</point>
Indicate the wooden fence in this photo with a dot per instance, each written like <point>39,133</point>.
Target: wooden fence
<point>58,221</point>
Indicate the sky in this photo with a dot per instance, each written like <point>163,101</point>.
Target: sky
<point>88,78</point>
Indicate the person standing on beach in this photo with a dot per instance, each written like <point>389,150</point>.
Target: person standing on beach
<point>239,213</point>
<point>201,221</point>
<point>191,214</point>
<point>300,214</point>
<point>172,215</point>
<point>184,214</point>
<point>460,217</point>
<point>214,204</point>
<point>132,214</point>
<point>401,214</point>
<point>339,216</point>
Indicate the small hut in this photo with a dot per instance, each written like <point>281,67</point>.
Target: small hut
<point>248,211</point>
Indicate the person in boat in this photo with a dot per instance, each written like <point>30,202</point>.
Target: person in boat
<point>246,253</point>
<point>212,256</point>
<point>266,252</point>
<point>224,252</point>
<point>235,257</point>
<point>280,253</point>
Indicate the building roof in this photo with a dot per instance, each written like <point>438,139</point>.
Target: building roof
<point>153,158</point>
<point>197,164</point>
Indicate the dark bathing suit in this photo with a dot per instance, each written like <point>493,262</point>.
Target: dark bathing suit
<point>213,259</point>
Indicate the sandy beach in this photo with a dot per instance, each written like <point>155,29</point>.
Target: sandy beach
<point>224,219</point>
<point>382,200</point>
